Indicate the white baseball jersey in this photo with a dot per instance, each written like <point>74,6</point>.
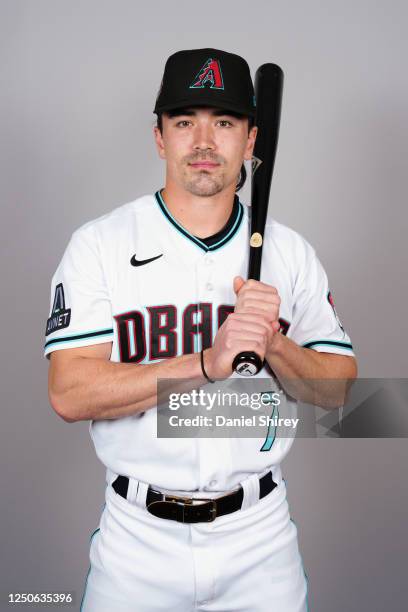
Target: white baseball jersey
<point>135,277</point>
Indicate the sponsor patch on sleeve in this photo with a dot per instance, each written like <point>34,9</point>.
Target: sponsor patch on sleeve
<point>331,302</point>
<point>60,316</point>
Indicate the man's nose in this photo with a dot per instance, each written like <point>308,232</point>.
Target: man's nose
<point>204,137</point>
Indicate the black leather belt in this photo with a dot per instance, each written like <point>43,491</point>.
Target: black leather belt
<point>185,510</point>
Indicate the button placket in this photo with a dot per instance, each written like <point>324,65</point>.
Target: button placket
<point>205,276</point>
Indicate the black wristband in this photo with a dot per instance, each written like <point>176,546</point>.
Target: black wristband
<point>202,367</point>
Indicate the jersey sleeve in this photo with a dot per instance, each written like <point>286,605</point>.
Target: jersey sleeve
<point>315,323</point>
<point>80,311</point>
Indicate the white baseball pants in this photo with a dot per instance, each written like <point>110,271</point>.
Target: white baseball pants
<point>246,561</point>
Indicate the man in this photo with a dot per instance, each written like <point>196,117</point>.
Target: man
<point>155,290</point>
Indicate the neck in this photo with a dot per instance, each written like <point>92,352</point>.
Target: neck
<point>201,216</point>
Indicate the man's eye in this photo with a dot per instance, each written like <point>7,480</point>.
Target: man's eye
<point>225,123</point>
<point>183,123</point>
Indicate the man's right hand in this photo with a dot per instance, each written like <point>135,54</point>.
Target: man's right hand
<point>240,332</point>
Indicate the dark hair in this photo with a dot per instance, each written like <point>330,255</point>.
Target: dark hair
<point>251,122</point>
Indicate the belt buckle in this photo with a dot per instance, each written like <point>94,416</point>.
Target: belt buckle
<point>177,499</point>
<point>212,511</point>
<point>181,504</point>
<point>167,509</point>
<point>188,501</point>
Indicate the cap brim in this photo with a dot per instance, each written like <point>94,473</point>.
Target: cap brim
<point>210,102</point>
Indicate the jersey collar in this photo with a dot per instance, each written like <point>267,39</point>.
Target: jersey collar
<point>220,238</point>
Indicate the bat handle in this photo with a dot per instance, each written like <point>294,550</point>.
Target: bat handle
<point>247,363</point>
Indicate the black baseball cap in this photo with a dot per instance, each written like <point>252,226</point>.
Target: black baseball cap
<point>206,77</point>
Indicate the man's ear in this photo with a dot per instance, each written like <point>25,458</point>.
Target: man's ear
<point>249,149</point>
<point>159,142</point>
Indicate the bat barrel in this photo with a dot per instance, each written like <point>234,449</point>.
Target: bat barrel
<point>268,87</point>
<point>268,92</point>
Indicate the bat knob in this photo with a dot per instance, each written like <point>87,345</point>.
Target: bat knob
<point>247,364</point>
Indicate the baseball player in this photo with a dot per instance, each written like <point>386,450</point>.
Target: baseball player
<point>154,290</point>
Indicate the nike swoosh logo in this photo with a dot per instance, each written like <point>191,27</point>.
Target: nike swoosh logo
<point>142,262</point>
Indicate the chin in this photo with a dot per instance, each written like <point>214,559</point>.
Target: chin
<point>204,185</point>
<point>204,190</point>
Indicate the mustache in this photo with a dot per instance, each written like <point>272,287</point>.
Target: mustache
<point>203,157</point>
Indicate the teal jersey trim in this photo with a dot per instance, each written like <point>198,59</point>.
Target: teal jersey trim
<point>86,584</point>
<point>345,345</point>
<point>93,334</point>
<point>89,569</point>
<point>194,239</point>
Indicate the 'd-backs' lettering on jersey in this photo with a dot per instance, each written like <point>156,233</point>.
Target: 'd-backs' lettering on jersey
<point>164,323</point>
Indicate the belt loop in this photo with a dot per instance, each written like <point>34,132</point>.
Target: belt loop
<point>141,493</point>
<point>277,474</point>
<point>132,490</point>
<point>251,491</point>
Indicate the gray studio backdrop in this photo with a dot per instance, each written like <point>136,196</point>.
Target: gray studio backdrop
<point>78,81</point>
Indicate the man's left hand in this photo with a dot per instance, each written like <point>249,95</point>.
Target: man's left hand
<point>257,299</point>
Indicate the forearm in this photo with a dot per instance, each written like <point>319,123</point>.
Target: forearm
<point>99,389</point>
<point>318,378</point>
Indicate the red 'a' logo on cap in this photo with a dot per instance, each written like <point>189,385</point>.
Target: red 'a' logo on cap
<point>209,75</point>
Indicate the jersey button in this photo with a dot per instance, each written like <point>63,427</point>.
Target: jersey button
<point>209,261</point>
<point>213,483</point>
<point>209,286</point>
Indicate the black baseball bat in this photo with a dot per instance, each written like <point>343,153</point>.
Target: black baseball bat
<point>268,95</point>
